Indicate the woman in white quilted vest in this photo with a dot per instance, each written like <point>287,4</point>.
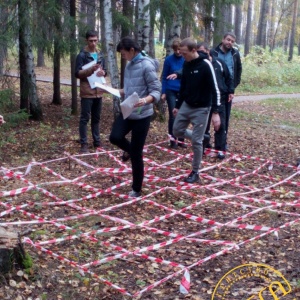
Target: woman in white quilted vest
<point>141,77</point>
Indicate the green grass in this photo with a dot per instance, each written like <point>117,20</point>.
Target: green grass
<point>279,106</point>
<point>269,73</point>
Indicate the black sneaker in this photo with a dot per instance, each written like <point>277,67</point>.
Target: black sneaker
<point>125,156</point>
<point>97,145</point>
<point>84,148</point>
<point>192,178</point>
<point>134,194</point>
<point>173,145</point>
<point>221,155</point>
<point>182,145</point>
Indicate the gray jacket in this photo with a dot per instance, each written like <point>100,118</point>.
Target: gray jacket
<point>140,76</point>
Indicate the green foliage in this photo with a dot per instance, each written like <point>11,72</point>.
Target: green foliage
<point>265,72</point>
<point>10,111</point>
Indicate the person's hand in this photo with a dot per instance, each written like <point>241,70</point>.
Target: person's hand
<point>1,120</point>
<point>230,97</point>
<point>175,111</point>
<point>172,76</point>
<point>94,67</point>
<point>216,121</point>
<point>100,72</point>
<point>141,102</point>
<point>163,97</point>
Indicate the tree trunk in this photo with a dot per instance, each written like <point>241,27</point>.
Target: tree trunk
<point>102,26</point>
<point>28,92</point>
<point>3,44</point>
<point>248,27</point>
<point>272,26</point>
<point>127,12</point>
<point>74,106</point>
<point>12,253</point>
<point>261,39</point>
<point>143,24</point>
<point>293,30</point>
<point>151,33</point>
<point>111,54</point>
<point>238,23</point>
<point>161,29</point>
<point>90,14</point>
<point>175,32</point>
<point>40,57</point>
<point>56,58</point>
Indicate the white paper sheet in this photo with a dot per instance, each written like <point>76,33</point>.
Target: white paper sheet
<point>127,106</point>
<point>93,78</point>
<point>109,89</point>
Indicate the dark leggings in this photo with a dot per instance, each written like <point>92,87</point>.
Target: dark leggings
<point>139,130</point>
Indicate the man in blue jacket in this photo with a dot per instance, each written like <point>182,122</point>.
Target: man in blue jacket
<point>231,57</point>
<point>170,88</point>
<point>198,94</point>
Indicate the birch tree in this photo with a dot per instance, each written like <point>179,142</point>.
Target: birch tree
<point>143,24</point>
<point>111,53</point>
<point>28,91</point>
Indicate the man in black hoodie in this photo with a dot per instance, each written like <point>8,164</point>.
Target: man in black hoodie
<point>226,88</point>
<point>231,57</point>
<point>198,94</point>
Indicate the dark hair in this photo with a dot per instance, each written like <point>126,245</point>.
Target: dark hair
<point>204,45</point>
<point>189,43</point>
<point>176,43</point>
<point>90,33</point>
<point>127,43</point>
<point>229,33</point>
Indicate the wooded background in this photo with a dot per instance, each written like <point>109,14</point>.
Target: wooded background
<point>56,29</point>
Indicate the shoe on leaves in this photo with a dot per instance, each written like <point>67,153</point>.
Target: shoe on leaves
<point>134,194</point>
<point>84,148</point>
<point>221,155</point>
<point>192,178</point>
<point>125,156</point>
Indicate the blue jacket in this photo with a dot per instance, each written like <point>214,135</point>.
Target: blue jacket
<point>172,63</point>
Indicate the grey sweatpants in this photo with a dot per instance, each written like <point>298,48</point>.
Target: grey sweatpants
<point>198,117</point>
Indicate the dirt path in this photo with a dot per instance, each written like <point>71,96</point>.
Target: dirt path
<point>240,98</point>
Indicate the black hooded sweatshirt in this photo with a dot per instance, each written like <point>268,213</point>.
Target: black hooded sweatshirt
<point>198,84</point>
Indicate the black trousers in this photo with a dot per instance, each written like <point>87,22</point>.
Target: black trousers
<point>139,130</point>
<point>220,135</point>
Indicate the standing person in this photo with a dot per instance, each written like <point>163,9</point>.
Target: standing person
<point>170,88</point>
<point>91,99</point>
<point>198,94</point>
<point>232,59</point>
<point>225,85</point>
<point>140,76</point>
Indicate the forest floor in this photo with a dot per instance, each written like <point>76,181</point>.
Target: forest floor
<point>72,210</point>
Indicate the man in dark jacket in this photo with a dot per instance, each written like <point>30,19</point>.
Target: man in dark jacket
<point>226,88</point>
<point>91,98</point>
<point>197,95</point>
<point>231,57</point>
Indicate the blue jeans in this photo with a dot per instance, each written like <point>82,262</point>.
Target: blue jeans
<point>171,97</point>
<point>139,130</point>
<point>90,108</point>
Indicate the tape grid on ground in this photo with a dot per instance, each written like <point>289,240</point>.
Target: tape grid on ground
<point>174,183</point>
